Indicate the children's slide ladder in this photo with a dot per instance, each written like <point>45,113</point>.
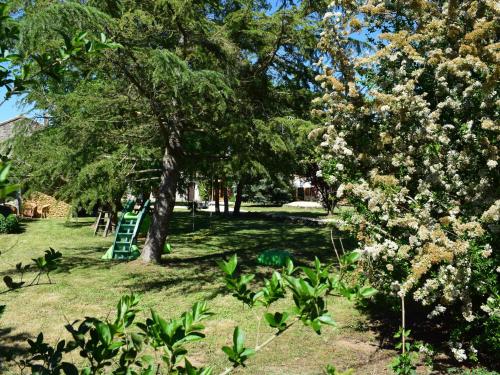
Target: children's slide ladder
<point>124,246</point>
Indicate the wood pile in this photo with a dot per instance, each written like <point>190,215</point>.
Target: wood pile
<point>56,208</point>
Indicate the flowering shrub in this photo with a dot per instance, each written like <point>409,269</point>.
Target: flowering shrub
<point>411,135</point>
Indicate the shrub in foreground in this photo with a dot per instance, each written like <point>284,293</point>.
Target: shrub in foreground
<point>9,224</point>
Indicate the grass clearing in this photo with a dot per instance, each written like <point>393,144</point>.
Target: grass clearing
<point>88,286</point>
<point>286,210</point>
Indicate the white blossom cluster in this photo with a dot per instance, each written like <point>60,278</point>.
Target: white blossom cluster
<point>416,150</point>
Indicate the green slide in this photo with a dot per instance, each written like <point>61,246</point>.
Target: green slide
<point>125,244</point>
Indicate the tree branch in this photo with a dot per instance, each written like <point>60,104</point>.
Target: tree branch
<point>261,346</point>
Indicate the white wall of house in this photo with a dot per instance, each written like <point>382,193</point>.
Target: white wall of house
<point>304,190</point>
<point>191,194</point>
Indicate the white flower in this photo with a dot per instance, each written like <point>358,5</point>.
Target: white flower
<point>340,191</point>
<point>439,309</point>
<point>340,166</point>
<point>426,350</point>
<point>395,285</point>
<point>492,164</point>
<point>487,251</point>
<point>459,354</point>
<point>327,16</point>
<point>319,173</point>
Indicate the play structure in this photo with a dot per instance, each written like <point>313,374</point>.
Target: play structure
<point>125,244</point>
<point>104,223</point>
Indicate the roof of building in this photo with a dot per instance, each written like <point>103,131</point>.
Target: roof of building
<point>14,119</point>
<point>8,128</point>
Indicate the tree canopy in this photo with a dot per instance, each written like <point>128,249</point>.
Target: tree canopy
<point>216,89</point>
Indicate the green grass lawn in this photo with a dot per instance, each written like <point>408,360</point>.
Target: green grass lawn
<point>286,210</point>
<point>88,286</point>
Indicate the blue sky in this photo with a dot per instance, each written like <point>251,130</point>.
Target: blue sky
<point>10,108</point>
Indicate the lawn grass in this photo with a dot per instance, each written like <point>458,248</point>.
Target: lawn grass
<point>87,286</point>
<point>286,210</point>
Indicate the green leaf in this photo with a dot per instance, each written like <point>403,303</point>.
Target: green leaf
<point>115,345</point>
<point>238,340</point>
<point>270,319</point>
<point>289,269</point>
<point>69,368</point>
<point>4,172</point>
<point>351,258</point>
<point>316,326</point>
<point>245,279</point>
<point>311,275</point>
<point>229,351</point>
<point>104,333</point>
<point>367,292</point>
<point>149,359</point>
<point>230,266</point>
<point>327,319</point>
<point>247,353</point>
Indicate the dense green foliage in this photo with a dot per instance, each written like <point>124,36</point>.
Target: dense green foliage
<point>9,224</point>
<point>266,191</point>
<point>207,90</point>
<point>21,71</point>
<point>107,132</point>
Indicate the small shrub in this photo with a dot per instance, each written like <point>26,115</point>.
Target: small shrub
<point>9,224</point>
<point>3,224</point>
<point>12,224</point>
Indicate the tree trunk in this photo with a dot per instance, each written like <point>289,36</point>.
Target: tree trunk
<point>237,202</point>
<point>217,197</point>
<point>226,197</point>
<point>164,207</point>
<point>333,205</point>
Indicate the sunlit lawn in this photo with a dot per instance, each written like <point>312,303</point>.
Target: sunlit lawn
<point>88,286</point>
<point>286,210</point>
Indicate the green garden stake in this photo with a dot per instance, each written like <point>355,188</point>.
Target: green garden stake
<point>167,249</point>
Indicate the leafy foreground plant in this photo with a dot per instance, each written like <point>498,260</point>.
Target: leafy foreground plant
<point>44,266</point>
<point>6,189</point>
<point>121,346</point>
<point>309,291</point>
<point>159,346</point>
<point>406,362</point>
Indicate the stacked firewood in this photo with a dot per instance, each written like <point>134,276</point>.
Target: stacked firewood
<point>46,206</point>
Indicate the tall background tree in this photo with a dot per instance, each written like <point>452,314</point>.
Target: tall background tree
<point>198,86</point>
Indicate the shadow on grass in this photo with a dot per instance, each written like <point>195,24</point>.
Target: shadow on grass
<point>77,224</point>
<point>89,258</point>
<point>215,238</point>
<point>11,345</point>
<point>384,316</point>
